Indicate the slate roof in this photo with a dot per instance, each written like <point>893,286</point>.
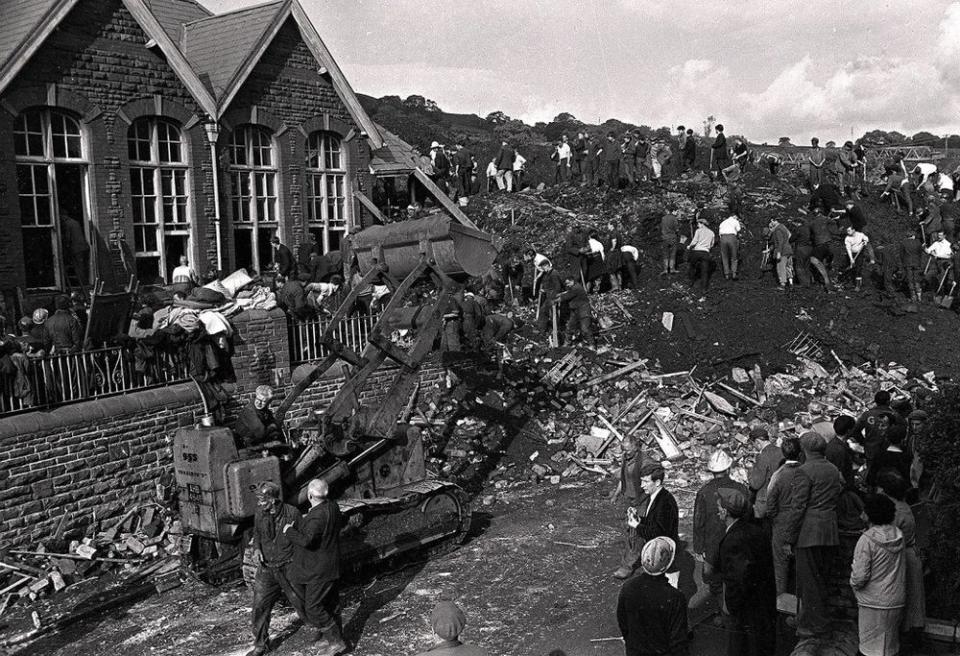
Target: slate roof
<point>18,20</point>
<point>395,158</point>
<point>172,14</point>
<point>219,45</point>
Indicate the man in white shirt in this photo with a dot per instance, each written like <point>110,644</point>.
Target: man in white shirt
<point>184,278</point>
<point>701,264</point>
<point>941,250</point>
<point>562,156</point>
<point>730,245</point>
<point>923,170</point>
<point>519,167</point>
<point>855,243</point>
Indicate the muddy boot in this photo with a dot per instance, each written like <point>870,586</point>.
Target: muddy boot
<point>332,642</point>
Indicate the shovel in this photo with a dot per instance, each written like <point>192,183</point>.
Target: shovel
<point>937,298</point>
<point>946,302</point>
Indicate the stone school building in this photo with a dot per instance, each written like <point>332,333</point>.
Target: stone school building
<point>154,129</point>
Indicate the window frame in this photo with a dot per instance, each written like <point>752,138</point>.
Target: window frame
<point>251,184</point>
<point>49,159</point>
<point>157,166</point>
<point>317,181</point>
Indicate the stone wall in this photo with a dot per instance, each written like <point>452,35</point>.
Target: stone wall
<point>92,460</point>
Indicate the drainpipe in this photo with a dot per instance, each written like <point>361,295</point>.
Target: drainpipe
<point>213,133</point>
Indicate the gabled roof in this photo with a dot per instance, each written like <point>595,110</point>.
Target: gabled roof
<point>173,14</point>
<point>212,55</point>
<point>218,46</point>
<point>23,27</point>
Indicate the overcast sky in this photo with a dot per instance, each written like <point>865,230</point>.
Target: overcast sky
<point>764,68</point>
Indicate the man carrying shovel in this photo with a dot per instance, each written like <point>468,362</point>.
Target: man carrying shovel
<point>580,317</point>
<point>856,242</point>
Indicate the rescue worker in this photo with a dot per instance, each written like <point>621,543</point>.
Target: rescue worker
<point>871,428</point>
<point>184,278</point>
<point>274,554</point>
<point>782,253</point>
<point>471,319</point>
<point>707,527</point>
<point>283,260</point>
<point>551,285</point>
<point>745,566</point>
<point>578,306</point>
<point>670,237</point>
<point>911,254</point>
<point>314,573</point>
<point>256,424</point>
<point>856,242</point>
<point>700,262</point>
<point>62,332</point>
<point>651,613</point>
<point>495,328</point>
<point>720,153</point>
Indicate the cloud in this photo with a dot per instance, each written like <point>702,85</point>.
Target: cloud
<point>948,46</point>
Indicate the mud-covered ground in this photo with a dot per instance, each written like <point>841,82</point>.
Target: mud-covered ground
<point>534,576</point>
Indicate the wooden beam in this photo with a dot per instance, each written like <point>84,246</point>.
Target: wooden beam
<point>622,371</point>
<point>443,199</point>
<point>370,207</point>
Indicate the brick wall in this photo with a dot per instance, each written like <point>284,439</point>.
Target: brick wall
<point>91,460</point>
<point>99,69</point>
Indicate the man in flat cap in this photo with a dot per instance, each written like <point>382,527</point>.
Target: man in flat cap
<point>448,621</point>
<point>256,424</point>
<point>811,533</point>
<point>651,613</point>
<point>657,515</point>
<point>274,554</point>
<point>707,527</point>
<point>746,569</point>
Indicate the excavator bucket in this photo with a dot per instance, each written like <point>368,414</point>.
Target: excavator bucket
<point>458,250</point>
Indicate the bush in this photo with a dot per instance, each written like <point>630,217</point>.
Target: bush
<point>939,448</point>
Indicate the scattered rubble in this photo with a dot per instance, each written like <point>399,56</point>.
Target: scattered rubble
<point>140,550</point>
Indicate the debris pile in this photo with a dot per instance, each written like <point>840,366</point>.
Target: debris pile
<point>573,412</point>
<point>144,542</point>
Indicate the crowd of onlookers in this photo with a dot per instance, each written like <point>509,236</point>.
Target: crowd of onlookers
<point>779,533</point>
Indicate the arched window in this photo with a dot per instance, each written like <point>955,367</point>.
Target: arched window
<point>52,169</point>
<point>158,185</point>
<point>253,195</point>
<point>326,189</point>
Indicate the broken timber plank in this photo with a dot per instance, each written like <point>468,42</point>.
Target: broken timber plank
<point>737,393</point>
<point>629,407</point>
<point>666,441</point>
<point>616,374</point>
<point>695,415</point>
<point>640,423</point>
<point>443,199</point>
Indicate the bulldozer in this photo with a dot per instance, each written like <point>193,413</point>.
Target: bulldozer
<point>374,463</point>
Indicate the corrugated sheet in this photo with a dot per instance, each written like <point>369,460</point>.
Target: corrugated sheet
<point>218,46</point>
<point>172,14</point>
<point>18,19</point>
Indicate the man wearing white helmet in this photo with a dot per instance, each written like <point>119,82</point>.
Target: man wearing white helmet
<point>708,529</point>
<point>256,424</point>
<point>651,613</point>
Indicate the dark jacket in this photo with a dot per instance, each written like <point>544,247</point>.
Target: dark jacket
<point>780,499</point>
<point>707,526</point>
<point>857,217</point>
<point>719,146</point>
<point>283,258</point>
<point>652,616</point>
<point>62,331</point>
<point>828,197</point>
<point>551,284</point>
<point>839,454</point>
<point>820,230</point>
<point>662,518</point>
<point>812,516</point>
<point>898,461</point>
<point>268,536</point>
<point>869,430</point>
<point>746,569</point>
<point>911,252</point>
<point>74,241</point>
<point>576,299</point>
<point>505,158</point>
<point>780,238</point>
<point>316,537</point>
<point>292,297</point>
<point>255,427</point>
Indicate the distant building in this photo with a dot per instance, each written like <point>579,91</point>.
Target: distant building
<point>111,112</point>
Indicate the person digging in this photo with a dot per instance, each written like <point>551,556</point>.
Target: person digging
<point>580,316</point>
